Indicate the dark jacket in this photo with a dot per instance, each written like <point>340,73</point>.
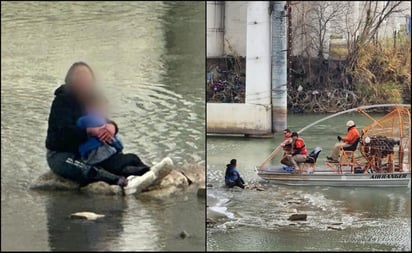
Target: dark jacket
<point>62,134</point>
<point>231,175</point>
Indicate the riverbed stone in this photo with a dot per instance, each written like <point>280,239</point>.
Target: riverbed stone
<point>201,192</point>
<point>298,217</point>
<point>184,234</point>
<point>86,215</point>
<point>175,178</point>
<point>194,173</point>
<point>174,182</point>
<point>254,186</point>
<point>102,188</point>
<point>334,228</point>
<point>210,221</point>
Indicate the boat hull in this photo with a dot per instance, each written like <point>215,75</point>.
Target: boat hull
<point>328,178</point>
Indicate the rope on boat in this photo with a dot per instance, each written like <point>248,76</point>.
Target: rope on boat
<point>351,110</point>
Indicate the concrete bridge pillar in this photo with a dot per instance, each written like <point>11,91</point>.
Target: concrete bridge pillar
<point>258,53</point>
<point>279,66</point>
<point>215,28</point>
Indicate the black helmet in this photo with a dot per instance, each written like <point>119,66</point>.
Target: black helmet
<point>295,134</point>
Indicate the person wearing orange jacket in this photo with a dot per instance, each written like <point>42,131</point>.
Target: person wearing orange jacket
<point>350,139</point>
<point>299,152</point>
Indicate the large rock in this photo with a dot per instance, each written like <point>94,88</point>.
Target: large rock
<point>137,184</point>
<point>175,178</point>
<point>186,177</point>
<point>195,173</point>
<point>174,181</point>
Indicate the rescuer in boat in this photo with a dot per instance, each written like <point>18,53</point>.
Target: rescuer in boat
<point>348,141</point>
<point>299,152</point>
<point>286,145</point>
<point>232,176</point>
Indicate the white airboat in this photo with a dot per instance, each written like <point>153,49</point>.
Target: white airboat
<point>381,158</point>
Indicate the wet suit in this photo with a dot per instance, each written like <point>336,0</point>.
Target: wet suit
<point>64,138</point>
<point>233,178</point>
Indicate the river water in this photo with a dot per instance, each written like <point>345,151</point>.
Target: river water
<point>361,219</point>
<point>149,57</point>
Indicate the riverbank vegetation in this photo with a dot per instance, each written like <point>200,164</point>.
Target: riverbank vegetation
<point>354,66</point>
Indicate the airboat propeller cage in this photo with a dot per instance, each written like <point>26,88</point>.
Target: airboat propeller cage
<point>386,141</point>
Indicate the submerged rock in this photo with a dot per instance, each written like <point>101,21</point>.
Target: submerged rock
<point>298,216</point>
<point>201,192</point>
<point>86,215</point>
<point>210,221</point>
<point>183,234</point>
<point>254,186</point>
<point>334,228</point>
<point>295,201</point>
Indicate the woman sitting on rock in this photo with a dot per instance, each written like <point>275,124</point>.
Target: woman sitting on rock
<point>64,136</point>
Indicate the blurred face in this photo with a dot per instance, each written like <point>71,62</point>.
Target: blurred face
<point>100,108</point>
<point>294,138</point>
<point>82,80</point>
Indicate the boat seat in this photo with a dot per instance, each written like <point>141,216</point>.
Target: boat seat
<point>347,156</point>
<point>353,147</point>
<point>313,156</point>
<point>346,159</point>
<point>310,163</point>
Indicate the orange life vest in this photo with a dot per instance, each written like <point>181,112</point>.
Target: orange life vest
<point>300,144</point>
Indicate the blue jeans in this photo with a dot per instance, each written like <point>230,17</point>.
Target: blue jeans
<point>69,166</point>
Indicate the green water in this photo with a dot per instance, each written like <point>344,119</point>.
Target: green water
<point>368,219</point>
<point>149,58</point>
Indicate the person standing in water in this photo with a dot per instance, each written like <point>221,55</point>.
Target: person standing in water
<point>232,175</point>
